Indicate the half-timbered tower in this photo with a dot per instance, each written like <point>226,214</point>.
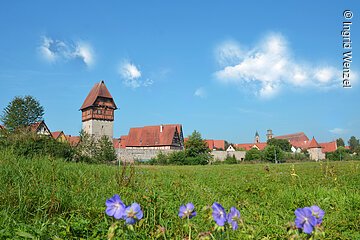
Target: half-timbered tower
<point>98,112</point>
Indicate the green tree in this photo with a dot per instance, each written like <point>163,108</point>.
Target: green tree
<point>231,160</point>
<point>353,143</point>
<point>196,149</point>
<point>86,149</point>
<point>105,151</point>
<point>253,154</point>
<point>340,142</point>
<point>22,112</point>
<point>339,154</point>
<point>283,144</point>
<point>273,153</point>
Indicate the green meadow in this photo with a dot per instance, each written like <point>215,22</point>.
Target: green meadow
<point>47,198</point>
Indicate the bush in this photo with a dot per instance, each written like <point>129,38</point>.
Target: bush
<point>179,158</point>
<point>253,154</point>
<point>230,160</point>
<point>29,144</point>
<point>273,153</point>
<point>339,155</point>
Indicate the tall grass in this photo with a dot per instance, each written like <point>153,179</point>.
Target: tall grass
<point>47,198</point>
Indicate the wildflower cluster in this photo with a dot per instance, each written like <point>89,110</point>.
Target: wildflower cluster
<point>218,213</point>
<point>308,218</point>
<point>221,218</point>
<point>117,209</point>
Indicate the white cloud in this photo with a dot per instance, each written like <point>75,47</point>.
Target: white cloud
<point>270,66</point>
<point>338,131</point>
<point>131,75</point>
<point>200,92</point>
<point>55,50</point>
<point>228,53</point>
<point>85,52</point>
<point>45,49</point>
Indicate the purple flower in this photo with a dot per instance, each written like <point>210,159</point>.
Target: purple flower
<point>219,214</point>
<point>233,218</point>
<point>318,213</point>
<point>187,211</point>
<point>133,213</point>
<point>305,220</point>
<point>115,207</point>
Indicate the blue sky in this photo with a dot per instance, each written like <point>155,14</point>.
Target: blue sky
<point>224,68</point>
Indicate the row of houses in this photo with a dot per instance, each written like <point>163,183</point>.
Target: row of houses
<point>42,129</point>
<point>98,111</point>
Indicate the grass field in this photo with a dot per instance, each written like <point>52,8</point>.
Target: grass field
<point>45,198</point>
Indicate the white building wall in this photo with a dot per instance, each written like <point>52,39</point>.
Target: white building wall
<point>98,128</point>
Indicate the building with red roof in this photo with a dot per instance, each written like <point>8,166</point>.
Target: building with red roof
<point>315,150</point>
<point>247,146</point>
<point>165,136</point>
<point>98,112</point>
<point>215,144</point>
<point>40,128</point>
<point>328,146</point>
<point>298,140</point>
<point>73,140</point>
<point>59,136</point>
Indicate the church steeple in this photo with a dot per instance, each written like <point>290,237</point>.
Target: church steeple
<point>98,111</point>
<point>257,137</point>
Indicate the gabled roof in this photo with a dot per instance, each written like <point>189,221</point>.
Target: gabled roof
<point>328,147</point>
<point>151,136</point>
<point>294,137</point>
<point>122,141</point>
<point>99,90</point>
<point>116,142</point>
<point>314,144</point>
<point>73,140</point>
<point>56,134</point>
<point>35,127</point>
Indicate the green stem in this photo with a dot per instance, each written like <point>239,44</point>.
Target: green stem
<point>189,228</point>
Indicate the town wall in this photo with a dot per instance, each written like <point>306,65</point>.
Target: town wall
<point>222,155</point>
<point>147,154</point>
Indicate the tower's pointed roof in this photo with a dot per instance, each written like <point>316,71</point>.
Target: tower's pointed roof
<point>314,144</point>
<point>257,134</point>
<point>99,90</point>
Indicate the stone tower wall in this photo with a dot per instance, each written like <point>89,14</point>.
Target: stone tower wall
<point>99,128</point>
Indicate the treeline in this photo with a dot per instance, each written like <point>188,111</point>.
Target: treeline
<point>24,142</point>
<point>17,136</point>
<point>196,153</point>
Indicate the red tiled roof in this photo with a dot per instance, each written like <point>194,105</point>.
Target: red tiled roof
<point>73,140</point>
<point>328,147</point>
<point>261,146</point>
<point>314,144</point>
<point>56,134</point>
<point>209,143</point>
<point>151,136</point>
<point>219,144</point>
<point>248,146</point>
<point>215,144</point>
<point>295,137</point>
<point>116,142</point>
<point>99,90</point>
<point>122,142</point>
<point>35,126</point>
